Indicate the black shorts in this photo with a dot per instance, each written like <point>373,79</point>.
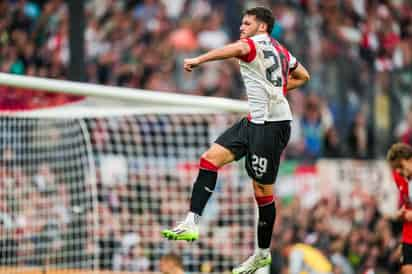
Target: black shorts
<point>406,256</point>
<point>262,144</point>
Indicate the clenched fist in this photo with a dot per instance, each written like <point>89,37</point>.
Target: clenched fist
<point>190,63</point>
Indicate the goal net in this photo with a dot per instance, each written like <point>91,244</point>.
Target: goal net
<point>87,188</point>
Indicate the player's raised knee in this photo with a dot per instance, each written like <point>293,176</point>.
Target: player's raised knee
<point>213,157</point>
<point>218,155</point>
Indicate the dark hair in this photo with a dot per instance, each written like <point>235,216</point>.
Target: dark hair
<point>398,152</point>
<point>263,14</point>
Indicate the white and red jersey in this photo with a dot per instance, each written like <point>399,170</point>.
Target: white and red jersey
<point>265,73</point>
<point>405,199</point>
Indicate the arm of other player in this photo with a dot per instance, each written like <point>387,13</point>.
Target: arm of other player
<point>403,214</point>
<point>298,77</point>
<point>232,50</point>
<point>407,215</point>
<point>399,215</point>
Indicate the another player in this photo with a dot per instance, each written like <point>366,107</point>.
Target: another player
<point>400,159</point>
<point>268,71</point>
<point>171,264</point>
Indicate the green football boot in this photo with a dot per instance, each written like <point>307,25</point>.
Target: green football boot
<point>183,231</point>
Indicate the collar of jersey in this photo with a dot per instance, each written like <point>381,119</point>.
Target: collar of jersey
<point>260,36</point>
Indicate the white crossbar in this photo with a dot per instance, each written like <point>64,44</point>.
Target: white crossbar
<point>124,94</point>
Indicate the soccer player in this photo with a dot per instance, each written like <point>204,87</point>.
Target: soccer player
<point>171,264</point>
<point>400,159</point>
<point>268,71</point>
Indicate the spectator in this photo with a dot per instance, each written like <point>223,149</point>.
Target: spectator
<point>213,36</point>
<point>312,127</point>
<point>129,256</point>
<point>8,244</point>
<point>332,144</point>
<point>338,259</point>
<point>404,130</point>
<point>360,138</point>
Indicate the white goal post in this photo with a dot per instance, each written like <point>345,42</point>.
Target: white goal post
<point>87,187</point>
<point>136,96</point>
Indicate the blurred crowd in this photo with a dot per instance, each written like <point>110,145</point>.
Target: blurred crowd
<point>355,240</point>
<point>55,213</point>
<point>359,53</point>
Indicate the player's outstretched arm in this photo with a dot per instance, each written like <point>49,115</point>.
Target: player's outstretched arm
<point>231,50</point>
<point>298,77</point>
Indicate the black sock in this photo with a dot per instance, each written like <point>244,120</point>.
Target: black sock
<point>202,190</point>
<point>267,216</point>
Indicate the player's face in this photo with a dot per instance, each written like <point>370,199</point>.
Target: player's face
<point>406,167</point>
<point>249,26</point>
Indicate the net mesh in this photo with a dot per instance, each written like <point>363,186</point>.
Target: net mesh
<point>93,194</point>
<point>44,201</point>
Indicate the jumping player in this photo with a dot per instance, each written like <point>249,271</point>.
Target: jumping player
<point>268,71</point>
<point>400,159</point>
